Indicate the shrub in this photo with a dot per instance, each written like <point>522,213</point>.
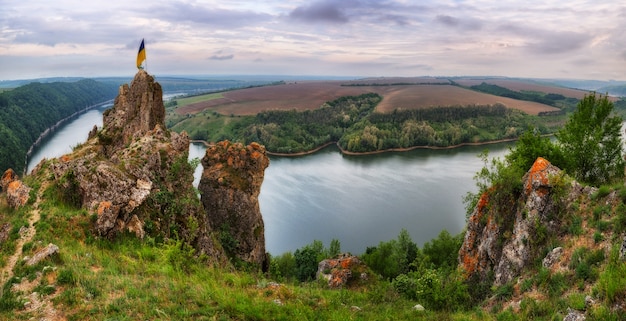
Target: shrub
<point>504,292</point>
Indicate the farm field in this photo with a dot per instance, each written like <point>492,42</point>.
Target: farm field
<point>397,93</point>
<point>520,85</point>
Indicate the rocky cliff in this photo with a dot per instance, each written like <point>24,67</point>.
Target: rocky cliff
<point>134,173</point>
<point>229,188</point>
<point>503,239</point>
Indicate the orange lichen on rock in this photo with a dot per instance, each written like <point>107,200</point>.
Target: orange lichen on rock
<point>103,206</point>
<point>8,177</point>
<point>538,176</point>
<point>17,194</point>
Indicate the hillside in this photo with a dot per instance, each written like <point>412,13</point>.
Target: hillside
<point>295,118</point>
<point>28,111</point>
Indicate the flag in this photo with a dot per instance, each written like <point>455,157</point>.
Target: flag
<point>141,55</point>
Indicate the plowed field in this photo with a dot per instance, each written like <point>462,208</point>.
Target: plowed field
<point>423,93</point>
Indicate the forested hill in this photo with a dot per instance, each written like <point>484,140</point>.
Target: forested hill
<point>27,111</point>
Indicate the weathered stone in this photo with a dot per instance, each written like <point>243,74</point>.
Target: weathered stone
<point>107,215</point>
<point>622,250</point>
<point>136,226</point>
<point>4,232</point>
<point>229,189</point>
<point>490,247</point>
<point>137,110</point>
<point>589,301</point>
<point>337,272</point>
<point>573,315</point>
<point>42,254</point>
<point>8,177</point>
<point>17,194</point>
<point>418,307</point>
<point>552,257</point>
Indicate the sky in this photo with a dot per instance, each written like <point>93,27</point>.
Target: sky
<point>357,38</point>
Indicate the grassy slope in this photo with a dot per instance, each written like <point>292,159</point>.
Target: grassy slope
<point>129,279</point>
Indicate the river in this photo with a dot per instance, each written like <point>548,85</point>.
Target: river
<point>359,200</point>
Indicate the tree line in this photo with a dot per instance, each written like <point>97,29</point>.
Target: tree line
<point>27,111</point>
<point>354,124</point>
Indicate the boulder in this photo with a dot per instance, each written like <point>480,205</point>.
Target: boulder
<point>42,254</point>
<point>418,307</point>
<point>17,194</point>
<point>339,271</point>
<point>573,315</point>
<point>229,188</point>
<point>8,177</point>
<point>552,257</point>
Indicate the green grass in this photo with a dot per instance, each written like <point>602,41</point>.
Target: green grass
<point>130,279</point>
<point>196,99</point>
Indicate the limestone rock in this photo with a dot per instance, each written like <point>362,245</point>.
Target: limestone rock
<point>552,257</point>
<point>491,247</point>
<point>43,254</point>
<point>8,177</point>
<point>418,307</point>
<point>137,110</point>
<point>229,188</point>
<point>17,194</point>
<point>134,173</point>
<point>4,232</point>
<point>573,315</point>
<point>338,272</point>
<point>622,250</point>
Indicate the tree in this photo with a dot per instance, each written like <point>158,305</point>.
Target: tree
<point>531,145</point>
<point>591,142</point>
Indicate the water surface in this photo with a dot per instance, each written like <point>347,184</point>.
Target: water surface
<point>359,200</point>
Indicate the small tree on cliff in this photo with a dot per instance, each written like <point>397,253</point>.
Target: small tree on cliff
<point>591,142</point>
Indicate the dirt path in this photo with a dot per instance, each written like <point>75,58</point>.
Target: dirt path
<point>26,235</point>
<point>41,307</point>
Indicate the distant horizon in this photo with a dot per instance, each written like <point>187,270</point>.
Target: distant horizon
<point>309,76</point>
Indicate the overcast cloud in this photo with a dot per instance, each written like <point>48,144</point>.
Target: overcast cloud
<point>361,38</point>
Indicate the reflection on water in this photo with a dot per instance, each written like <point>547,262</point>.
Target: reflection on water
<point>362,200</point>
<point>359,200</point>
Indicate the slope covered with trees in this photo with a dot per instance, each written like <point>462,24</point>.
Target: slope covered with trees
<point>27,111</point>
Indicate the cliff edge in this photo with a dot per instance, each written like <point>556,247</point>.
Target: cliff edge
<point>134,174</point>
<point>229,187</point>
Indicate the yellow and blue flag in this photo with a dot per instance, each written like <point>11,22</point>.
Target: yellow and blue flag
<point>141,55</point>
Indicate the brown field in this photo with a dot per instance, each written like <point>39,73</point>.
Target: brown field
<point>410,97</point>
<point>520,85</point>
<point>313,94</point>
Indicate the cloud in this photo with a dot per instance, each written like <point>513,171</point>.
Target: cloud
<point>542,41</point>
<point>323,11</point>
<point>205,15</point>
<point>456,23</point>
<point>223,57</point>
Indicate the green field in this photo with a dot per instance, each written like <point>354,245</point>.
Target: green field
<point>196,99</point>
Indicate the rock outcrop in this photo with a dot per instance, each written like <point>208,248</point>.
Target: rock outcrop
<point>8,177</point>
<point>502,240</point>
<point>17,193</point>
<point>138,110</point>
<point>229,189</point>
<point>341,270</point>
<point>134,173</point>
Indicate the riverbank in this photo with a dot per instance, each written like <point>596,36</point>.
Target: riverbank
<point>50,130</point>
<point>390,150</point>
